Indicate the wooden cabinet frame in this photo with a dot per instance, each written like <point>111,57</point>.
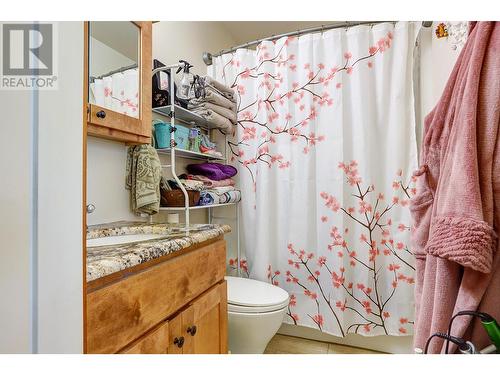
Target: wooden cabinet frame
<point>141,133</point>
<point>117,126</point>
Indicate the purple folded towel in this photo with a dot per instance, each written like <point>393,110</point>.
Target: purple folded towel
<point>213,171</point>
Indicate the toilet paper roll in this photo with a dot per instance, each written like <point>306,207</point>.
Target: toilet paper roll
<point>173,218</point>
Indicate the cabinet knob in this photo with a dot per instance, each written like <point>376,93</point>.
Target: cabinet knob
<point>101,114</point>
<point>192,330</point>
<point>179,341</point>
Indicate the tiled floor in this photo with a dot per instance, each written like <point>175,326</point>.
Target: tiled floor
<point>281,344</point>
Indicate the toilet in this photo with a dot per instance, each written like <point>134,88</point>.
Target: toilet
<point>255,312</point>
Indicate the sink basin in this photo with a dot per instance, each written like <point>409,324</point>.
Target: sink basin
<point>123,239</point>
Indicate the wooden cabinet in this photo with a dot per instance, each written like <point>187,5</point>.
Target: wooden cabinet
<point>200,328</point>
<point>110,122</point>
<point>204,323</point>
<point>154,342</point>
<point>175,306</point>
<point>177,338</point>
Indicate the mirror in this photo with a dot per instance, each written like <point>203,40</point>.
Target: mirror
<point>114,55</point>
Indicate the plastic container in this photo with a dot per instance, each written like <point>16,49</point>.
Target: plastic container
<point>194,139</point>
<point>162,135</point>
<point>181,137</point>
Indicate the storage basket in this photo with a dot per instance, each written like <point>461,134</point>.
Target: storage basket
<point>175,198</point>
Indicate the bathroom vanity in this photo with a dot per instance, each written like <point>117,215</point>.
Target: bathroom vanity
<point>165,294</point>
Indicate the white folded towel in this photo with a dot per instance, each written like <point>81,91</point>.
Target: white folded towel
<point>212,96</point>
<point>223,89</point>
<point>225,112</point>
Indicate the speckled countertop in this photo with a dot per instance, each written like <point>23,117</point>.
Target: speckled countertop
<point>107,259</point>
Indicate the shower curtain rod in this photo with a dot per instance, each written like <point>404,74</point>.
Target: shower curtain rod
<point>110,73</point>
<point>207,56</point>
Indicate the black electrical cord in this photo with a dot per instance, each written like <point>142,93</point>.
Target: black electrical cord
<point>483,316</point>
<point>461,343</point>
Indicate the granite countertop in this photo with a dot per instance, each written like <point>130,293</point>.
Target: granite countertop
<point>107,259</point>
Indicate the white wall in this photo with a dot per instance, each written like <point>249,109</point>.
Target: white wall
<point>106,162</point>
<point>436,61</point>
<point>60,278</point>
<point>105,59</point>
<point>176,40</point>
<point>41,272</point>
<point>15,222</point>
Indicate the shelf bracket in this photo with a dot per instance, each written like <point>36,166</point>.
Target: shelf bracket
<point>172,138</point>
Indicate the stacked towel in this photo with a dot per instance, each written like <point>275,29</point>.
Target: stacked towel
<point>216,179</point>
<point>213,96</point>
<point>214,171</point>
<point>208,183</point>
<point>223,89</point>
<point>188,184</point>
<point>232,196</point>
<point>217,105</point>
<point>221,122</point>
<point>219,195</point>
<point>143,179</point>
<point>207,107</point>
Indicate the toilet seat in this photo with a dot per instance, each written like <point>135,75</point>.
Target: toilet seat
<point>251,310</point>
<point>253,296</point>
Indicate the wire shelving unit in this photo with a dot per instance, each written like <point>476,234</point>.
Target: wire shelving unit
<point>177,113</point>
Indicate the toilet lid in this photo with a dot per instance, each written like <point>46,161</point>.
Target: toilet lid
<point>254,293</point>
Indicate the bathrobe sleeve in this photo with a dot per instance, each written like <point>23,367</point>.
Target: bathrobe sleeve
<point>462,221</point>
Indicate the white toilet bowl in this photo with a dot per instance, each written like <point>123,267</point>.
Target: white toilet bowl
<point>256,311</point>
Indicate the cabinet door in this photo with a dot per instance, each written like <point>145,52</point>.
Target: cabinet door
<point>201,328</point>
<point>204,323</point>
<point>155,342</point>
<point>176,342</point>
<point>118,106</point>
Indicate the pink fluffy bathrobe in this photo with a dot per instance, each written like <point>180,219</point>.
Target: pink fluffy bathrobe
<point>456,211</point>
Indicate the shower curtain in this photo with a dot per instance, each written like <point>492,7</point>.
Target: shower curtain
<point>119,92</point>
<point>325,147</point>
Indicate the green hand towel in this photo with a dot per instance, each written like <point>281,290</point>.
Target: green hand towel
<point>143,179</point>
